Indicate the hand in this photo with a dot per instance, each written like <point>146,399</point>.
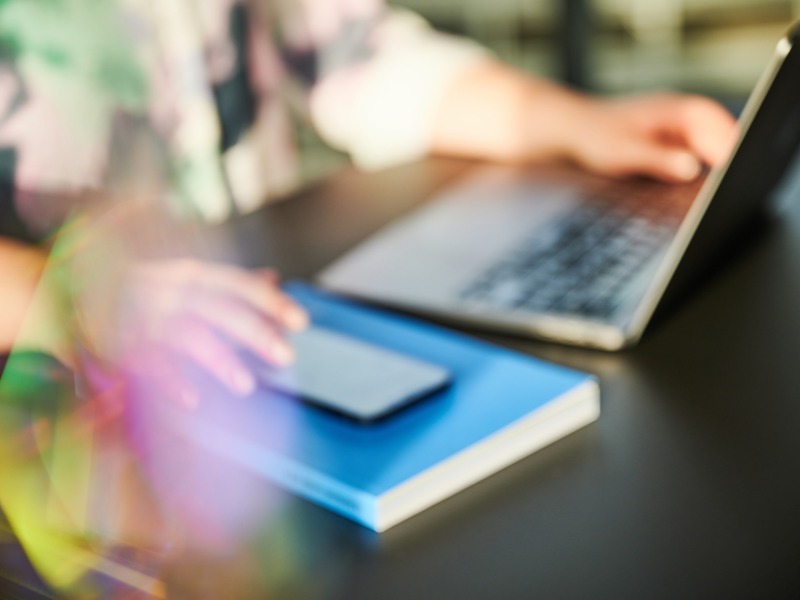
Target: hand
<point>169,309</point>
<point>497,113</point>
<point>665,136</point>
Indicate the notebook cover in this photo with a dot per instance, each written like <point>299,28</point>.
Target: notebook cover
<point>348,466</point>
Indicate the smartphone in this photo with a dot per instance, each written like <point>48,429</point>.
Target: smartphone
<point>354,378</point>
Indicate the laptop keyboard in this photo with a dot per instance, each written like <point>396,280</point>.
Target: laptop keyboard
<point>578,266</point>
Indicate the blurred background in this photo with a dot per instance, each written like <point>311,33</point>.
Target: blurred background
<point>713,47</point>
<point>718,47</point>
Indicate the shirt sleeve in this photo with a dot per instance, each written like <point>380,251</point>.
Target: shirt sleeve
<point>379,81</point>
<point>66,69</point>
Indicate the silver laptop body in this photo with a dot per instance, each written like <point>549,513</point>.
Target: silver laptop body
<point>569,257</point>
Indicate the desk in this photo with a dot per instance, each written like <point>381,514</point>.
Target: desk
<point>687,487</point>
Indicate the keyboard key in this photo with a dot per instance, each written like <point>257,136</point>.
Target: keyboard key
<point>578,266</point>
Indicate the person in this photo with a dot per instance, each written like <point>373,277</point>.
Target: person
<point>116,116</point>
<point>221,86</point>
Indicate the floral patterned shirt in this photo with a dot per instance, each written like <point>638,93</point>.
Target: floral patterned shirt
<point>219,85</point>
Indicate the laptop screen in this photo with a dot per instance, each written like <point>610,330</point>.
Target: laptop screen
<point>758,169</point>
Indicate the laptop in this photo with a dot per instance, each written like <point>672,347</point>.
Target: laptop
<point>573,258</point>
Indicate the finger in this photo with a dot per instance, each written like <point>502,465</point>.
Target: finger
<point>243,325</point>
<point>195,339</point>
<point>271,275</point>
<point>710,131</point>
<point>258,290</point>
<point>699,124</point>
<point>649,157</point>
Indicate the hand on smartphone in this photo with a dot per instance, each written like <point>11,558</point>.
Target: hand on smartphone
<point>167,310</point>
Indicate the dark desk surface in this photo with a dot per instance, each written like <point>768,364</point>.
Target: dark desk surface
<point>687,487</point>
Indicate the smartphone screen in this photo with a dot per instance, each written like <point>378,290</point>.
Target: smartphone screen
<point>351,377</point>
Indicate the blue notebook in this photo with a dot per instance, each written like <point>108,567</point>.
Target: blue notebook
<point>500,407</point>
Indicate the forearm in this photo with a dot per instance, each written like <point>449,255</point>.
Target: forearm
<point>495,112</point>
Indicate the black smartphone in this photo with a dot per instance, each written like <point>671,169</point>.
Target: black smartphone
<point>355,378</point>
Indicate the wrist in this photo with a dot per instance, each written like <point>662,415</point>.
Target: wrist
<point>554,121</point>
<point>498,113</point>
